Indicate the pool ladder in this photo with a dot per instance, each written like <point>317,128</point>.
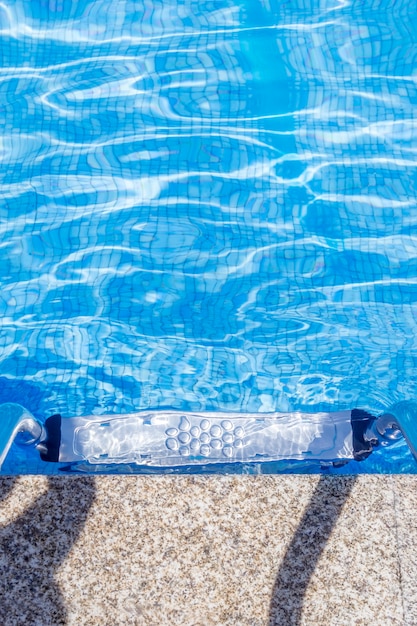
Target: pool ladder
<point>166,438</point>
<point>15,419</point>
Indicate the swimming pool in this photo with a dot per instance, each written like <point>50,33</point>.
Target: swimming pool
<point>208,206</point>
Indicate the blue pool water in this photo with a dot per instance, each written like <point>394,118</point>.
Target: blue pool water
<point>208,206</point>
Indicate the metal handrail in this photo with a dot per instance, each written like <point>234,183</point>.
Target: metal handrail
<point>15,419</point>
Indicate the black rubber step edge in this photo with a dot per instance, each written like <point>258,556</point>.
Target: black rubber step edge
<point>50,447</point>
<point>361,421</point>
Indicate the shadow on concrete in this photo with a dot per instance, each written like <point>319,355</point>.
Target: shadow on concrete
<point>34,545</point>
<point>306,547</point>
<point>6,486</point>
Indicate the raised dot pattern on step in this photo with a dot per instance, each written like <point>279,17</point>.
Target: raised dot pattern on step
<point>204,439</point>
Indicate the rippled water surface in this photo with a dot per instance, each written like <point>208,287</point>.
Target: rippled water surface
<point>208,206</point>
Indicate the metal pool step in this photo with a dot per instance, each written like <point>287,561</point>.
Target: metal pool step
<point>172,438</point>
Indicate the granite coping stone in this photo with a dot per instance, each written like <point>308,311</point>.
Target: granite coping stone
<point>208,550</point>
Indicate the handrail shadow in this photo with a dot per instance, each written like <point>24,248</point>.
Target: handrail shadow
<point>6,486</point>
<point>307,545</point>
<point>34,545</point>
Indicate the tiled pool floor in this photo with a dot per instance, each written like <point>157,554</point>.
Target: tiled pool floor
<point>202,551</point>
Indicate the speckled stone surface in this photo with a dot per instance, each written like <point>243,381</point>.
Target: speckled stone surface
<point>405,492</point>
<point>202,551</point>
